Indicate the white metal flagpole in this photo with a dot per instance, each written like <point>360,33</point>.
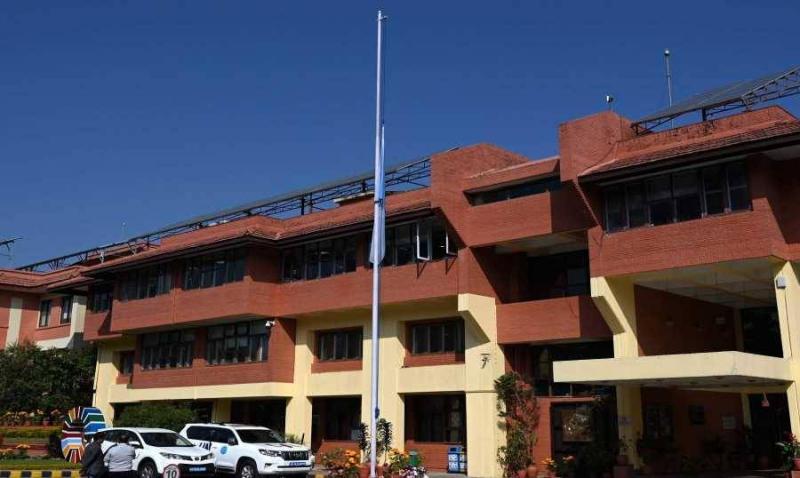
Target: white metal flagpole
<point>378,248</point>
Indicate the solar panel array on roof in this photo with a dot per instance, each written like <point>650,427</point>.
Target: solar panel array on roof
<point>741,94</point>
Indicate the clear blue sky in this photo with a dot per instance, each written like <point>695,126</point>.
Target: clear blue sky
<point>150,112</point>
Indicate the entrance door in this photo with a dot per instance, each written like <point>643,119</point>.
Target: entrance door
<point>575,426</point>
<point>770,420</point>
<point>265,413</point>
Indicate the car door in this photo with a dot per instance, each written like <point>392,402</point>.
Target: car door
<point>223,445</point>
<point>200,436</point>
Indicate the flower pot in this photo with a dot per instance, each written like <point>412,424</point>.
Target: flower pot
<point>363,472</point>
<point>622,460</point>
<point>522,473</point>
<point>796,462</point>
<point>532,471</point>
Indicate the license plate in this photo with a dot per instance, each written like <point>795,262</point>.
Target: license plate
<point>196,469</point>
<point>297,463</point>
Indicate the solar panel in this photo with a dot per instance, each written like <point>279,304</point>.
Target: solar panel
<point>741,94</point>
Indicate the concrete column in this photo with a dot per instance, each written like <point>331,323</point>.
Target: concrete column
<point>484,362</point>
<point>298,408</point>
<point>616,300</point>
<point>787,298</point>
<point>222,410</point>
<point>14,321</point>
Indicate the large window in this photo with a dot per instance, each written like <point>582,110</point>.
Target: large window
<point>214,270</point>
<point>44,313</point>
<point>439,337</point>
<point>422,240</point>
<point>558,275</point>
<point>146,283</point>
<point>320,259</point>
<point>676,197</point>
<point>237,343</point>
<point>339,345</point>
<point>168,349</point>
<point>126,362</point>
<point>438,418</point>
<point>542,368</point>
<point>529,188</point>
<point>100,300</point>
<point>66,309</point>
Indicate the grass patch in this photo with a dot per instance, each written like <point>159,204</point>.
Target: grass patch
<point>38,464</point>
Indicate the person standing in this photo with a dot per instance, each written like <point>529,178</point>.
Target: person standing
<point>119,458</point>
<point>92,465</point>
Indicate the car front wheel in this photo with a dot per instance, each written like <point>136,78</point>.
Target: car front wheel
<point>148,470</point>
<point>247,469</point>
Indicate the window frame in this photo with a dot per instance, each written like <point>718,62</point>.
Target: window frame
<point>127,359</point>
<point>217,349</point>
<point>417,329</point>
<point>331,336</point>
<point>45,310</point>
<point>146,283</point>
<point>67,303</point>
<point>166,348</point>
<point>208,271</point>
<point>621,191</point>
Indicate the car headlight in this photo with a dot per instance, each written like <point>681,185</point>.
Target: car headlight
<point>207,457</point>
<point>269,452</point>
<point>173,456</point>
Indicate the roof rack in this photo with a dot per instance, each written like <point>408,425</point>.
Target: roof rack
<point>742,94</point>
<point>403,177</point>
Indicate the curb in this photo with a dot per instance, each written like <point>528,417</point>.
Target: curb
<point>38,473</point>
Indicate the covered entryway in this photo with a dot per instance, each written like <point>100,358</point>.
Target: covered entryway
<point>270,413</point>
<point>335,423</point>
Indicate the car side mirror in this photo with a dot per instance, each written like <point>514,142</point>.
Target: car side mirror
<point>135,444</point>
<point>231,441</point>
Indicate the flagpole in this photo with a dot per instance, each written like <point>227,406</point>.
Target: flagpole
<point>377,251</point>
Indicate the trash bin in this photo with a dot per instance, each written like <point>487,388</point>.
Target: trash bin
<point>413,458</point>
<point>456,459</point>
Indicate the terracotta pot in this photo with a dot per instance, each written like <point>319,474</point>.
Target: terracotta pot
<point>522,473</point>
<point>796,462</point>
<point>532,471</point>
<point>363,471</point>
<point>622,460</point>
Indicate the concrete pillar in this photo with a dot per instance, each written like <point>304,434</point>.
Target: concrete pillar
<point>14,321</point>
<point>616,300</point>
<point>787,297</point>
<point>484,362</point>
<point>298,408</point>
<point>222,410</point>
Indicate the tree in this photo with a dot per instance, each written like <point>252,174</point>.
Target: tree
<point>517,406</point>
<point>54,379</point>
<point>156,415</point>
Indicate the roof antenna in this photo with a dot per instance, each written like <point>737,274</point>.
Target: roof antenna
<point>609,100</point>
<point>8,243</point>
<point>669,82</point>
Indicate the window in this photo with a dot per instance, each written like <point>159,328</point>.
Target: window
<point>126,362</point>
<point>552,183</point>
<point>146,283</point>
<point>222,435</point>
<point>319,259</point>
<point>431,338</point>
<point>199,433</point>
<point>676,197</point>
<point>542,368</point>
<point>237,343</point>
<point>339,418</point>
<point>66,309</point>
<point>100,300</point>
<point>214,270</point>
<point>558,275</point>
<point>422,240</point>
<point>44,313</point>
<point>339,345</point>
<point>438,418</point>
<point>173,349</point>
<point>658,422</point>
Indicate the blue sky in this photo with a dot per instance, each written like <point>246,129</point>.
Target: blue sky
<point>149,112</point>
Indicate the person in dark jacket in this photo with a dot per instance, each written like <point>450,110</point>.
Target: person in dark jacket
<point>92,465</point>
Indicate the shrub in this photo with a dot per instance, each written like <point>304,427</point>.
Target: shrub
<point>517,406</point>
<point>156,415</point>
<point>292,438</point>
<point>341,463</point>
<point>25,432</point>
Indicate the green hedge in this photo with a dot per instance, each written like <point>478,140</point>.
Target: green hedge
<point>29,432</point>
<point>38,464</point>
<point>156,415</point>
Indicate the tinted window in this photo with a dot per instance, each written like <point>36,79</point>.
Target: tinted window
<point>164,439</point>
<point>199,433</point>
<point>221,435</point>
<point>259,436</point>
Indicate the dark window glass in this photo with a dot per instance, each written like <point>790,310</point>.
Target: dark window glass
<point>530,188</point>
<point>558,275</point>
<point>339,345</point>
<point>542,367</point>
<point>339,418</point>
<point>173,349</point>
<point>66,309</point>
<point>44,313</point>
<point>438,337</point>
<point>325,258</point>
<point>214,270</point>
<point>146,283</point>
<point>100,300</point>
<point>312,261</point>
<point>126,362</point>
<point>437,418</point>
<point>199,433</point>
<point>676,197</point>
<point>404,244</point>
<point>320,259</point>
<point>237,343</point>
<point>222,435</point>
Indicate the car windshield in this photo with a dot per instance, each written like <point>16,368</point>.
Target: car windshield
<point>165,439</point>
<point>257,435</point>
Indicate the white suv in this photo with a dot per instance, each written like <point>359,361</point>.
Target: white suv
<point>250,451</point>
<point>161,452</point>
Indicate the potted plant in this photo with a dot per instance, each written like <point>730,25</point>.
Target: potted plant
<point>622,452</point>
<point>519,412</point>
<point>341,463</point>
<point>790,450</point>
